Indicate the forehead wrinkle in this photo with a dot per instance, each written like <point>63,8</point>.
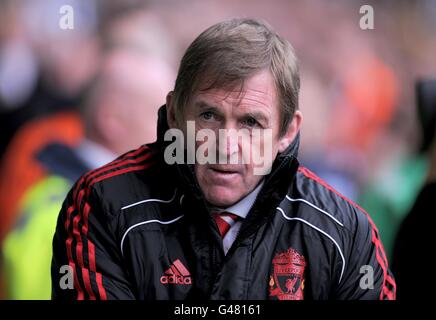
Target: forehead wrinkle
<point>247,98</point>
<point>257,100</point>
<point>252,94</point>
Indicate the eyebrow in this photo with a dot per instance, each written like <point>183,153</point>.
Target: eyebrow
<point>204,105</point>
<point>259,116</point>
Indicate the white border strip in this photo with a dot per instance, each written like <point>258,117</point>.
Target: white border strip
<point>150,200</point>
<point>323,232</point>
<point>145,222</point>
<point>317,208</point>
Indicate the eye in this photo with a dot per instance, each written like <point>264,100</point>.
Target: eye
<point>208,115</point>
<point>251,122</point>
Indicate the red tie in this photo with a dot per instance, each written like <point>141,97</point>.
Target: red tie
<point>224,221</point>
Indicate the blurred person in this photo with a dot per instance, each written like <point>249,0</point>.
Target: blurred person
<point>370,155</point>
<point>139,29</point>
<point>414,238</point>
<point>43,73</point>
<point>20,167</point>
<point>144,227</point>
<point>43,68</point>
<point>363,108</point>
<point>118,115</point>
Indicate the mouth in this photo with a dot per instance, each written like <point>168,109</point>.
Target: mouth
<point>224,170</point>
<point>219,174</point>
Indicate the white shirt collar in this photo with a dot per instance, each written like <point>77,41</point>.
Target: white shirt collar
<point>93,154</point>
<point>243,206</point>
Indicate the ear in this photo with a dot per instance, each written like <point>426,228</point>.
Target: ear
<point>292,131</point>
<point>171,118</point>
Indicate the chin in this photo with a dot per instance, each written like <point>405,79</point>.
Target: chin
<point>222,196</point>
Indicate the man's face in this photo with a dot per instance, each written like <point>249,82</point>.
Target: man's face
<point>255,108</point>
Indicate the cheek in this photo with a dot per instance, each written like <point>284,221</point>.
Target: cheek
<point>200,173</point>
<point>262,152</point>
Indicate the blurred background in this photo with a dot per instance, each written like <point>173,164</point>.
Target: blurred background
<point>74,99</point>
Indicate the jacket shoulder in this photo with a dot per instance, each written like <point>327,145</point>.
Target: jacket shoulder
<point>318,194</point>
<point>361,246</point>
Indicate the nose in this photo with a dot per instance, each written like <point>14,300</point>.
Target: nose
<point>228,144</point>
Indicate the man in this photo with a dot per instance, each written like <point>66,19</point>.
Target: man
<point>149,226</point>
<point>116,118</point>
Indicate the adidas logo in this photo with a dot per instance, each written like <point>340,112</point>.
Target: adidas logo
<point>176,274</point>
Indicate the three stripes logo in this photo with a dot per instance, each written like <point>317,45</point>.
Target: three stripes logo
<point>176,274</point>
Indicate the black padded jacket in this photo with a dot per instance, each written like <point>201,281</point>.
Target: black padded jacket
<point>139,228</point>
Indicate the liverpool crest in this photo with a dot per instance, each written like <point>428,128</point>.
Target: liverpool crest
<point>287,280</point>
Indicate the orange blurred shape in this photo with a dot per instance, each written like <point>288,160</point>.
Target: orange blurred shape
<point>372,88</point>
<point>20,169</point>
<point>369,100</point>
